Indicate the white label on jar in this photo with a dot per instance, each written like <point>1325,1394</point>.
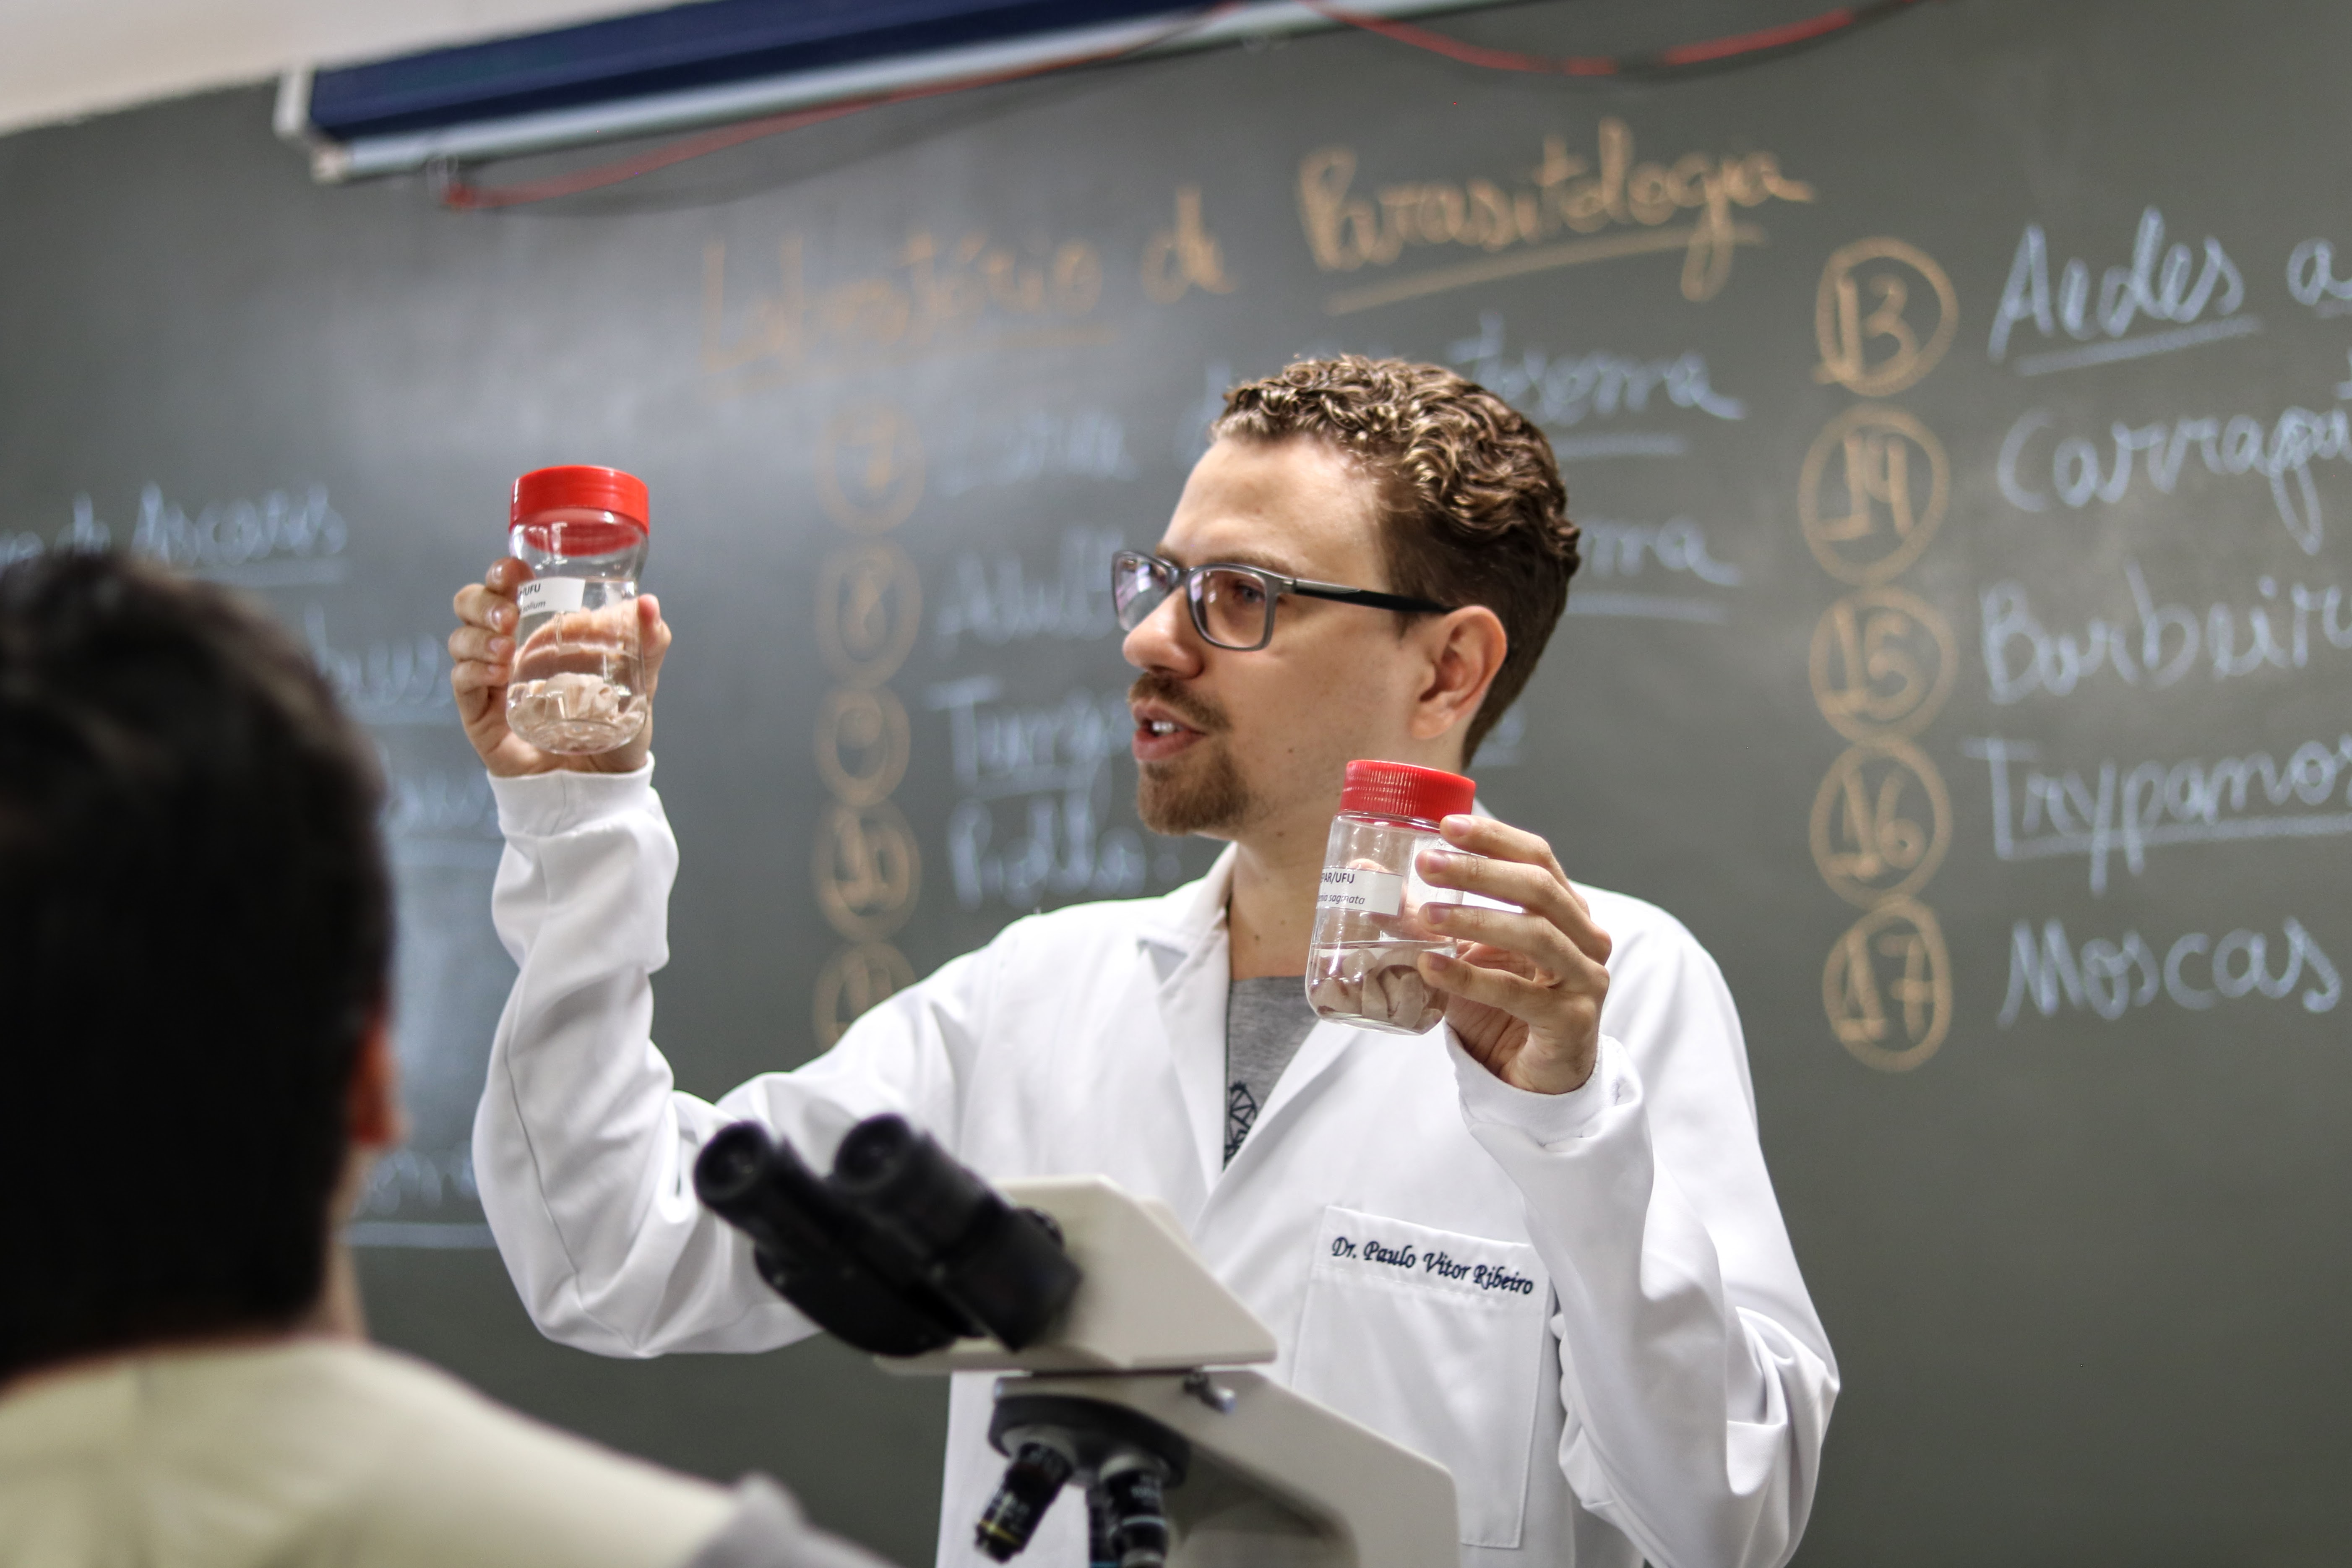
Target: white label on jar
<point>551,596</point>
<point>1360,892</point>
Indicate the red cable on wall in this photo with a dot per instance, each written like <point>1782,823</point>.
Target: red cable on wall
<point>463,195</point>
<point>1663,62</point>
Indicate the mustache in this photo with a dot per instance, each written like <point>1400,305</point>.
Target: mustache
<point>1196,712</point>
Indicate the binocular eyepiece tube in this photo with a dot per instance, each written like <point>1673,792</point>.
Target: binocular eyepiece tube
<point>900,1250</point>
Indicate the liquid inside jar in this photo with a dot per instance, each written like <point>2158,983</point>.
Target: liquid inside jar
<point>1376,985</point>
<point>1363,962</point>
<point>579,676</point>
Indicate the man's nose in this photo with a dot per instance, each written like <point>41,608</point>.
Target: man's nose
<point>1164,640</point>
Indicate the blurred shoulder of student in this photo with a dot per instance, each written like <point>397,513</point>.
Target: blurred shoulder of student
<point>195,931</point>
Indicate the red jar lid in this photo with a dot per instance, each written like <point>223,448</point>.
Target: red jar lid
<point>1401,790</point>
<point>578,487</point>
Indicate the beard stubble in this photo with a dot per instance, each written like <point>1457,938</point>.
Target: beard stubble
<point>1202,791</point>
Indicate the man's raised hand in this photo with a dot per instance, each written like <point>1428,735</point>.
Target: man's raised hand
<point>482,662</point>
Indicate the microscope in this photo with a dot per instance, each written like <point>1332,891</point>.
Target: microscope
<point>1125,1358</point>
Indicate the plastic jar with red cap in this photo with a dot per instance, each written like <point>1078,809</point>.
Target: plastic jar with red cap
<point>579,680</point>
<point>1364,965</point>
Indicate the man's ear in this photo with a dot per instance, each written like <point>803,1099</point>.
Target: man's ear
<point>372,1112</point>
<point>1465,652</point>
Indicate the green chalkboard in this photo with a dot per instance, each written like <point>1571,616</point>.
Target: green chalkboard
<point>1957,415</point>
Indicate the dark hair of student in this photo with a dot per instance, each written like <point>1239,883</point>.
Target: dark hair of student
<point>1476,513</point>
<point>195,930</point>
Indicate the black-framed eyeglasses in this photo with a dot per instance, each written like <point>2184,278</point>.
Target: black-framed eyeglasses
<point>1232,606</point>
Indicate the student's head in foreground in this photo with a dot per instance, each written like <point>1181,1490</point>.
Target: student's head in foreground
<point>196,932</point>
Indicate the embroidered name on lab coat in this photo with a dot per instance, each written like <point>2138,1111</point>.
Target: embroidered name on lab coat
<point>1437,1265</point>
<point>1353,1249</point>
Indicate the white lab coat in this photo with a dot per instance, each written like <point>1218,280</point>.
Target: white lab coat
<point>1585,1305</point>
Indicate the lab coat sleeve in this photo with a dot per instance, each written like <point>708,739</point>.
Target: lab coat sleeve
<point>584,1148</point>
<point>1696,1377</point>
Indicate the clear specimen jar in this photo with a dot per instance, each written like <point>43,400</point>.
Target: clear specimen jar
<point>579,680</point>
<point>1364,962</point>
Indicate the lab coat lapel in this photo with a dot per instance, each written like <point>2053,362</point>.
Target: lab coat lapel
<point>1318,1056</point>
<point>1189,951</point>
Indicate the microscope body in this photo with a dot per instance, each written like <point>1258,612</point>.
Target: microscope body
<point>1153,1345</point>
<point>1125,1358</point>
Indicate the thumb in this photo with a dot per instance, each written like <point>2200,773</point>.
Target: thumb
<point>653,638</point>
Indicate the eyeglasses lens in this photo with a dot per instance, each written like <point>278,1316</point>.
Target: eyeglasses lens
<point>1233,608</point>
<point>1138,585</point>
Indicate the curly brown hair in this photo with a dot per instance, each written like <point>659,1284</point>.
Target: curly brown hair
<point>1474,511</point>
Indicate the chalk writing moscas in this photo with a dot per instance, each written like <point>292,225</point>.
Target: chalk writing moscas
<point>2195,971</point>
<point>2156,646</point>
<point>1347,229</point>
<point>2102,809</point>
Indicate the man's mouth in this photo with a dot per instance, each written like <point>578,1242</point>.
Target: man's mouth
<point>1160,735</point>
<point>1166,723</point>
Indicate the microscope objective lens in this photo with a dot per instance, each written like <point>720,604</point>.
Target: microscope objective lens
<point>1031,1483</point>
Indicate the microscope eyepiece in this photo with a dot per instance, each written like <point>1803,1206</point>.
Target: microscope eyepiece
<point>992,1260</point>
<point>730,1167</point>
<point>901,1250</point>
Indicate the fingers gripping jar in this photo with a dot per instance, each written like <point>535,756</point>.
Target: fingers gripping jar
<point>579,672</point>
<point>1363,963</point>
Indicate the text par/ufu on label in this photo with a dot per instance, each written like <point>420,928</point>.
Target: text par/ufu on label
<point>1360,892</point>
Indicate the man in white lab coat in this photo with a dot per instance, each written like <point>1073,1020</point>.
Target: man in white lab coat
<point>1366,563</point>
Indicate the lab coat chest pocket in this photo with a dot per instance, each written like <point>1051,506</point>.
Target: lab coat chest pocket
<point>1435,1340</point>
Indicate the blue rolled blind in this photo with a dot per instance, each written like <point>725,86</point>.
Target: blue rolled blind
<point>704,45</point>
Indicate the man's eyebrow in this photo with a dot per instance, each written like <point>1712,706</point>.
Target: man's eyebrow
<point>1262,562</point>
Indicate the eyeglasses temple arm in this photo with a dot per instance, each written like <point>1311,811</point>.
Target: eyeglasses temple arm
<point>1367,597</point>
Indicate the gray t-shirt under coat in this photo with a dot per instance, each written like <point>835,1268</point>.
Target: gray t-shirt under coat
<point>1266,1020</point>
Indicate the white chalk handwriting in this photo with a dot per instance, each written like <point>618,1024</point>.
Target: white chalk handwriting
<point>282,539</point>
<point>2157,646</point>
<point>1051,762</point>
<point>438,818</point>
<point>413,1179</point>
<point>994,600</point>
<point>2098,812</point>
<point>1090,443</point>
<point>2080,473</point>
<point>1615,549</point>
<point>2160,284</point>
<point>1564,390</point>
<point>399,681</point>
<point>2110,977</point>
<point>2310,278</point>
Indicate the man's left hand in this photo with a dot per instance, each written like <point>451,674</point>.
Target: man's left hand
<point>1523,996</point>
